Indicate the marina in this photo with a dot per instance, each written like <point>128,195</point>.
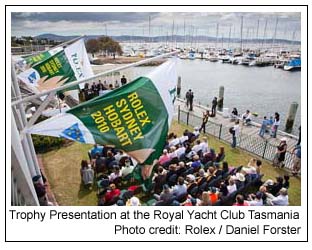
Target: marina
<point>263,90</point>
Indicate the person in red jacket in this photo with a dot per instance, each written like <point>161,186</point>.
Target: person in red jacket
<point>111,194</point>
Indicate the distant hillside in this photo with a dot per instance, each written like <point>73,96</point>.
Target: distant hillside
<point>175,38</point>
<point>55,37</point>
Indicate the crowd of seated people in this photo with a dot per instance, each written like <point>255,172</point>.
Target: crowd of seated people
<point>270,193</point>
<point>107,168</point>
<point>188,173</point>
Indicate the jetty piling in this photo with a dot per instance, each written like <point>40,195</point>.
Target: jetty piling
<point>179,86</point>
<point>291,117</point>
<point>221,98</point>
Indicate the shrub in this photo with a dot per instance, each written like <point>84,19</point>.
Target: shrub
<point>44,144</point>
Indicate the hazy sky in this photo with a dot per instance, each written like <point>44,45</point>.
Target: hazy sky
<point>137,23</point>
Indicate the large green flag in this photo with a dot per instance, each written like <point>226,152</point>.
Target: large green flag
<point>57,67</point>
<point>134,118</point>
<point>31,60</point>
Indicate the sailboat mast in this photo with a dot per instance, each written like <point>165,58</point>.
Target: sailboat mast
<point>191,36</point>
<point>217,36</point>
<point>176,36</point>
<point>149,29</point>
<point>241,39</point>
<point>247,36</point>
<point>207,37</point>
<point>264,32</point>
<point>293,38</point>
<point>274,36</point>
<point>257,32</point>
<point>195,36</point>
<point>184,34</point>
<point>230,36</point>
<point>172,32</point>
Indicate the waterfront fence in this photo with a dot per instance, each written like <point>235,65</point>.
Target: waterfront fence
<point>256,145</point>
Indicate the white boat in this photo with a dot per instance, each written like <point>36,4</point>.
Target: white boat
<point>226,59</point>
<point>244,61</point>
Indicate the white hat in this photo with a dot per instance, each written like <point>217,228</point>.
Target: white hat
<point>268,182</point>
<point>284,139</point>
<point>134,201</point>
<point>191,177</point>
<point>240,177</point>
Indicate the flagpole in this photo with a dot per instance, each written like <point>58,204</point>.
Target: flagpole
<point>72,84</point>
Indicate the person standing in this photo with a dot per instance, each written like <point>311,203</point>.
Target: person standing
<point>191,100</point>
<point>87,173</point>
<point>87,92</point>
<point>279,158</point>
<point>235,133</point>
<point>205,120</point>
<point>99,86</point>
<point>117,84</point>
<point>299,139</point>
<point>297,160</point>
<point>187,97</point>
<point>264,125</point>
<point>275,125</point>
<point>94,89</point>
<point>214,106</point>
<point>123,80</point>
<point>179,88</point>
<point>102,90</point>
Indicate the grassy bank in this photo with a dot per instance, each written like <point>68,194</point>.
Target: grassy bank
<point>62,169</point>
<point>126,60</point>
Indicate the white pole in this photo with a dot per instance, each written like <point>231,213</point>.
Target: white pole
<point>27,141</point>
<point>35,116</point>
<point>20,169</point>
<point>72,84</point>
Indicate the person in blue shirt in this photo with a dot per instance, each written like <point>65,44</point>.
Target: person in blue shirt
<point>264,125</point>
<point>96,149</point>
<point>297,160</point>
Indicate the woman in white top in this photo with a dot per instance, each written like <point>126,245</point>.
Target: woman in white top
<point>232,185</point>
<point>275,124</point>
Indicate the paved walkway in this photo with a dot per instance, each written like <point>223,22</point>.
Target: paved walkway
<point>246,131</point>
<point>50,194</point>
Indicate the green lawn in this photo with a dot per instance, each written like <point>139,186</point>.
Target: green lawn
<point>62,167</point>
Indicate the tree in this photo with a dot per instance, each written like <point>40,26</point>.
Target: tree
<point>93,46</point>
<point>104,44</point>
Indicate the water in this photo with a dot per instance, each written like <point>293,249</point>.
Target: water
<point>264,90</point>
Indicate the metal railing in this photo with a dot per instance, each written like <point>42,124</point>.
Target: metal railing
<point>258,146</point>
